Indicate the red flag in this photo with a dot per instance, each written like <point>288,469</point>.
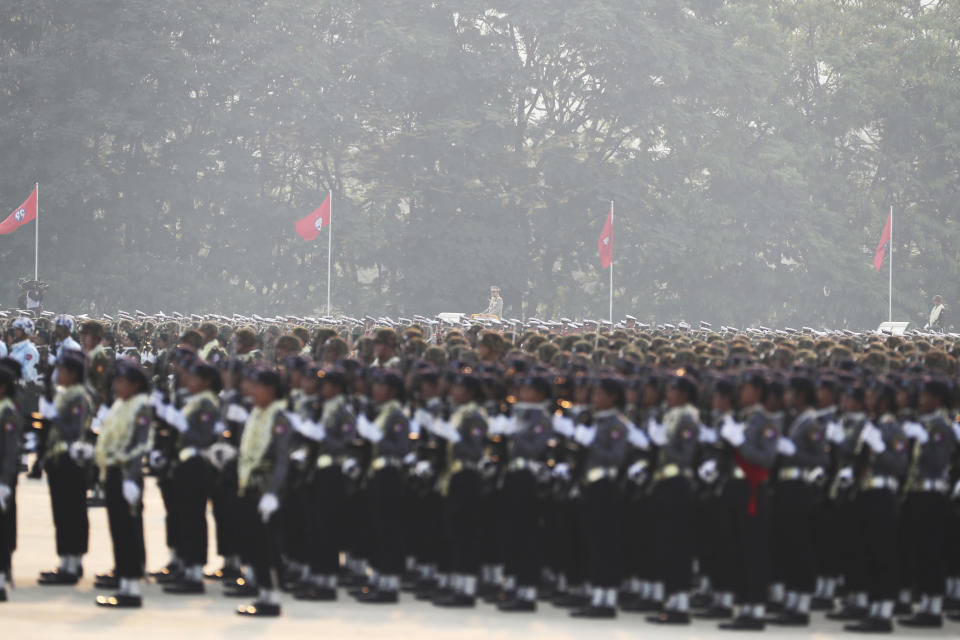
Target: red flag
<point>605,243</point>
<point>882,245</point>
<point>309,228</point>
<point>21,215</point>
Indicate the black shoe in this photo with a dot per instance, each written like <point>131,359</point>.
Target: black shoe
<point>743,623</point>
<point>571,601</point>
<point>456,600</point>
<point>106,581</point>
<point>849,613</point>
<point>58,578</point>
<point>821,603</point>
<point>184,587</point>
<point>643,606</point>
<point>716,612</point>
<point>922,620</point>
<point>225,573</point>
<point>3,595</point>
<point>168,575</point>
<point>120,601</point>
<point>594,612</point>
<point>870,625</point>
<point>316,594</point>
<point>669,616</point>
<point>517,605</point>
<point>356,592</point>
<point>379,596</point>
<point>788,618</point>
<point>240,589</point>
<point>260,610</point>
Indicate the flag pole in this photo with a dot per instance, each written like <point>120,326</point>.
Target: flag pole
<point>329,249</point>
<point>611,262</point>
<point>890,288</point>
<point>36,237</point>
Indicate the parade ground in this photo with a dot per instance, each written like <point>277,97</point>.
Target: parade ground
<point>59,612</point>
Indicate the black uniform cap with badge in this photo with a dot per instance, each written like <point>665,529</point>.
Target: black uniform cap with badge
<point>133,373</point>
<point>74,362</point>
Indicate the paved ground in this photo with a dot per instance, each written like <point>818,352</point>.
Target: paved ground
<point>56,612</point>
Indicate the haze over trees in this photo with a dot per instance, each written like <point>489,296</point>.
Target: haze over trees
<point>752,148</point>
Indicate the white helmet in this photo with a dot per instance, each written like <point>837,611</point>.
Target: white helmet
<point>24,324</point>
<point>66,322</point>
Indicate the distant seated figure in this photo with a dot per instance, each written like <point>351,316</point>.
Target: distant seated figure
<point>495,306</point>
<point>938,314</point>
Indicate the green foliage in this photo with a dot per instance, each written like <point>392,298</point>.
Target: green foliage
<point>752,149</point>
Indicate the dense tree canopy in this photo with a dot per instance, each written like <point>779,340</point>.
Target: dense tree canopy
<point>752,150</point>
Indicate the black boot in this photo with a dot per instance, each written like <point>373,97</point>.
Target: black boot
<point>120,601</point>
<point>670,616</point>
<point>378,596</point>
<point>716,612</point>
<point>922,620</point>
<point>517,605</point>
<point>849,613</point>
<point>57,577</point>
<point>743,623</point>
<point>595,611</point>
<point>184,587</point>
<point>870,624</point>
<point>790,618</point>
<point>260,610</point>
<point>456,600</point>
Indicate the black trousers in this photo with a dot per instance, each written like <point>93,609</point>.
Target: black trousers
<point>751,540</point>
<point>710,521</point>
<point>296,506</point>
<point>325,520</point>
<point>638,534</point>
<point>126,527</point>
<point>191,482</point>
<point>522,558</point>
<point>168,493</point>
<point>926,535</point>
<point>462,522</point>
<point>673,516</point>
<point>386,491</point>
<point>8,529</point>
<point>603,533</point>
<point>795,511</point>
<point>876,548</point>
<point>261,541</point>
<point>68,499</point>
<point>226,511</point>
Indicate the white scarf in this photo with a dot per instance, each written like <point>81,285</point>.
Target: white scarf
<point>116,432</point>
<point>256,440</point>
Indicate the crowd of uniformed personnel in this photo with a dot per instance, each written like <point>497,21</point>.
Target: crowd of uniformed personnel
<point>749,477</point>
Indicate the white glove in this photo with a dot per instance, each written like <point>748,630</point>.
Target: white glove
<point>815,475</point>
<point>708,435</point>
<point>585,435</point>
<point>175,418</point>
<point>47,409</point>
<point>872,437</point>
<point>446,430</point>
<point>423,469</point>
<point>563,425</point>
<point>299,455</point>
<point>131,492</point>
<point>220,454</point>
<point>410,459</point>
<point>81,452</point>
<point>350,468</point>
<point>156,460</point>
<point>5,492</point>
<point>956,491</point>
<point>708,471</point>
<point>732,432</point>
<point>424,419</point>
<point>236,413</point>
<point>657,432</point>
<point>561,471</point>
<point>786,447</point>
<point>268,506</point>
<point>97,423</point>
<point>834,432</point>
<point>637,437</point>
<point>915,431</point>
<point>156,400</point>
<point>637,472</point>
<point>845,477</point>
